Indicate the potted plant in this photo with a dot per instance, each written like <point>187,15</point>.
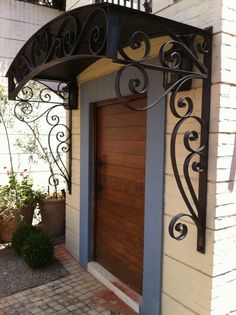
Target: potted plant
<point>9,213</point>
<point>18,201</point>
<point>52,210</point>
<point>28,198</point>
<point>51,205</point>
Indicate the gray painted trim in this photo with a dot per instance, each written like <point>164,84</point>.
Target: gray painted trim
<point>85,187</point>
<point>154,200</point>
<point>99,90</point>
<point>93,91</point>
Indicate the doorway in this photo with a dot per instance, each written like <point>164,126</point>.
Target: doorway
<point>120,157</point>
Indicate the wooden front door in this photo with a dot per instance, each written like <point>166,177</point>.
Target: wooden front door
<point>119,203</point>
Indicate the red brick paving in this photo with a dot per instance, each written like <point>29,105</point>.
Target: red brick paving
<point>79,293</point>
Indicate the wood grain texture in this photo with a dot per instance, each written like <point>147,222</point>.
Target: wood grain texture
<point>119,204</point>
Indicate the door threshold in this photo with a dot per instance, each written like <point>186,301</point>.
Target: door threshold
<point>126,294</point>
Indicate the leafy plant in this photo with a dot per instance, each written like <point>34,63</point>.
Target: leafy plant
<point>18,194</point>
<point>38,249</point>
<point>23,231</point>
<point>34,147</point>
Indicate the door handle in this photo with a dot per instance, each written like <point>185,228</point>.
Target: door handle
<point>99,163</point>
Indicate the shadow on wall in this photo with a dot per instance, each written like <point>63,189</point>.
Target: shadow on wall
<point>232,168</point>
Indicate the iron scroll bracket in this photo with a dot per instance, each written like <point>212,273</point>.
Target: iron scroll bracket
<point>59,143</point>
<point>197,52</point>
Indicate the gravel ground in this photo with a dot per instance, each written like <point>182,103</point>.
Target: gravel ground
<point>16,275</point>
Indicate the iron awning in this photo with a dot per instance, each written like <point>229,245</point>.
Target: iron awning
<point>68,44</point>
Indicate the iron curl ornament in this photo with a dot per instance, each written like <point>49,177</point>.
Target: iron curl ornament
<point>196,161</point>
<point>173,56</point>
<point>59,136</point>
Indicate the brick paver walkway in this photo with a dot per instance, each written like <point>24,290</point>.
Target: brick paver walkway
<point>78,293</point>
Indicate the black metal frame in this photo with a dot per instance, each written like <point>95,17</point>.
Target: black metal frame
<point>197,158</point>
<point>147,5</point>
<point>24,111</point>
<point>69,44</point>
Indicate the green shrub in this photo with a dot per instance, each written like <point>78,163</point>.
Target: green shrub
<point>21,234</point>
<point>38,249</point>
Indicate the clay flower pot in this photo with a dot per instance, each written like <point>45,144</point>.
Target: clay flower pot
<point>53,216</point>
<point>27,214</point>
<point>8,228</point>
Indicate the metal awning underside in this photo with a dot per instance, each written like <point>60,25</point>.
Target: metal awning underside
<point>67,45</point>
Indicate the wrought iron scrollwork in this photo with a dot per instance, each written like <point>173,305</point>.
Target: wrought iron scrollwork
<point>75,35</point>
<point>136,41</point>
<point>171,56</point>
<point>196,161</point>
<point>179,50</point>
<point>59,135</point>
<point>67,41</point>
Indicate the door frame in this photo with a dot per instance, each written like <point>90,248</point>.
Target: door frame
<point>99,90</point>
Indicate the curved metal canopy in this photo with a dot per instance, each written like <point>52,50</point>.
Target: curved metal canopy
<point>67,45</point>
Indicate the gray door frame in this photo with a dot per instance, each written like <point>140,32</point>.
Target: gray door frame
<point>103,89</point>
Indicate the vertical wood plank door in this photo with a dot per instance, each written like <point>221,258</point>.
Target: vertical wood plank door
<point>120,135</point>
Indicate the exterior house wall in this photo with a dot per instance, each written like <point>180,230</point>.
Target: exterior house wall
<point>72,4</point>
<point>193,283</point>
<point>204,283</point>
<point>18,22</point>
<point>73,200</point>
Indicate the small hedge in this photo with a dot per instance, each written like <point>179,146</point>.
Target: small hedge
<point>38,249</point>
<point>23,231</point>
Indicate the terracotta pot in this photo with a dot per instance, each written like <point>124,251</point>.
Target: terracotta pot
<point>27,213</point>
<point>7,229</point>
<point>53,216</point>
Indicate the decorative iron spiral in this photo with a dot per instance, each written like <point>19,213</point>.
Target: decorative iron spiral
<point>137,40</point>
<point>135,85</point>
<point>45,95</point>
<point>97,31</point>
<point>202,46</point>
<point>69,35</point>
<point>196,166</point>
<point>53,179</point>
<point>96,40</point>
<point>26,94</point>
<point>179,227</point>
<point>172,52</point>
<point>170,55</point>
<point>22,69</point>
<point>40,48</point>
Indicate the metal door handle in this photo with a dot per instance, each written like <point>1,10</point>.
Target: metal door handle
<point>100,163</point>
